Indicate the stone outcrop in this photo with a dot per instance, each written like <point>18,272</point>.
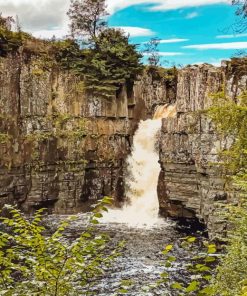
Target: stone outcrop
<point>60,142</point>
<point>191,184</point>
<point>61,148</point>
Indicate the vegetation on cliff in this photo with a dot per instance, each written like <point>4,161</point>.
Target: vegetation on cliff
<point>225,275</point>
<point>231,119</point>
<point>109,59</point>
<point>113,62</point>
<point>10,41</point>
<point>102,57</point>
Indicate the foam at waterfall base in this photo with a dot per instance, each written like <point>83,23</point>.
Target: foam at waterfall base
<point>142,177</point>
<point>143,212</point>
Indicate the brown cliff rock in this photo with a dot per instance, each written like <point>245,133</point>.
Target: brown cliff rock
<point>191,183</point>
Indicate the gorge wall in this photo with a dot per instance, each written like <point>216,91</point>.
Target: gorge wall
<point>61,148</point>
<point>191,184</point>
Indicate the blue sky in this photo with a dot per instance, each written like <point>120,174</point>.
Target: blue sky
<point>191,31</point>
<point>207,25</point>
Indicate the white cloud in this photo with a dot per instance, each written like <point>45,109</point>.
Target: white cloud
<point>192,15</point>
<point>137,31</point>
<point>166,54</point>
<point>46,17</point>
<point>216,64</point>
<point>231,36</point>
<point>230,45</point>
<point>173,40</point>
<point>213,61</point>
<point>115,5</point>
<point>41,17</point>
<point>170,54</point>
<point>48,34</point>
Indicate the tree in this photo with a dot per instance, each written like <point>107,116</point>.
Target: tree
<point>152,51</point>
<point>110,64</point>
<point>87,18</point>
<point>6,22</point>
<point>17,24</point>
<point>241,25</point>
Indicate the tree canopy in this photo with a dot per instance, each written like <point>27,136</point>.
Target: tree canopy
<point>112,62</point>
<point>87,18</point>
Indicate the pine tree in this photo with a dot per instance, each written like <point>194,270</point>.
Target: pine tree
<point>112,62</point>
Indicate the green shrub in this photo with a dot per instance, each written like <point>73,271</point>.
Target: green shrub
<point>195,274</point>
<point>11,41</point>
<point>230,276</point>
<point>35,263</point>
<point>230,118</point>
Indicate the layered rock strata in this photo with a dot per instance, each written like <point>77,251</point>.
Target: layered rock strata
<point>191,184</point>
<point>61,148</point>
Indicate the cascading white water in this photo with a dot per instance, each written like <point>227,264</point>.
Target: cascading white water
<point>143,174</point>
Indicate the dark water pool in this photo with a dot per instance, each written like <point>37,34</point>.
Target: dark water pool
<point>141,261</point>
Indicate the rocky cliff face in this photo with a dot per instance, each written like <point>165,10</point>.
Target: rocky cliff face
<point>60,148</point>
<point>190,183</point>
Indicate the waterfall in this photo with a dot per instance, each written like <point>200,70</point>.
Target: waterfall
<point>143,171</point>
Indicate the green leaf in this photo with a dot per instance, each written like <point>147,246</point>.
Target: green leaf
<point>209,259</point>
<point>123,291</point>
<point>212,249</point>
<point>169,248</point>
<point>193,286</point>
<point>206,291</point>
<point>207,277</point>
<point>191,239</point>
<point>177,286</point>
<point>164,274</point>
<point>171,258</point>
<point>87,235</point>
<point>202,267</point>
<point>98,215</point>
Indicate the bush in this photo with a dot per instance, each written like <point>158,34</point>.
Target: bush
<point>195,274</point>
<point>230,276</point>
<point>9,41</point>
<point>230,118</point>
<point>35,263</point>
